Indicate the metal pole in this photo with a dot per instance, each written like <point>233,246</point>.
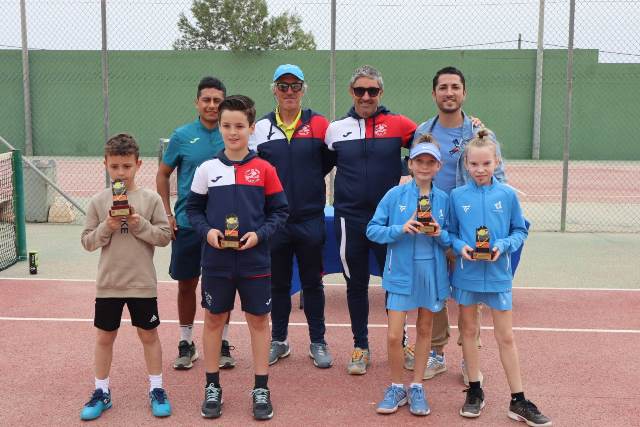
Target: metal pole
<point>332,64</point>
<point>105,79</point>
<point>537,103</point>
<point>26,84</point>
<point>18,206</point>
<point>567,117</point>
<point>519,41</point>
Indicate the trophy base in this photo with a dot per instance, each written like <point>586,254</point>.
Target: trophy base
<point>427,228</point>
<point>482,256</point>
<point>120,211</point>
<point>230,244</point>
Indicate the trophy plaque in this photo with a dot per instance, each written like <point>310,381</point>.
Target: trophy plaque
<point>231,238</point>
<point>120,205</point>
<point>424,215</point>
<point>483,247</point>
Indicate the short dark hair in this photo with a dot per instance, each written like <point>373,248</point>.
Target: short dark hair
<point>209,82</point>
<point>239,103</point>
<point>448,70</point>
<point>121,144</point>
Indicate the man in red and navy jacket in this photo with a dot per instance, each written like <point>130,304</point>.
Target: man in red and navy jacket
<point>367,143</point>
<point>251,190</point>
<point>292,140</point>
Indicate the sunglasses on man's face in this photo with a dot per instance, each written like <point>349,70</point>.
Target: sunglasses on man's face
<point>372,91</point>
<point>284,87</point>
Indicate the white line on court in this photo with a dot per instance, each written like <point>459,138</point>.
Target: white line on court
<point>337,285</point>
<point>338,325</point>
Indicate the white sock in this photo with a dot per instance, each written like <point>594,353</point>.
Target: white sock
<point>417,385</point>
<point>225,332</point>
<point>103,384</point>
<point>155,381</point>
<point>186,333</point>
<point>397,385</point>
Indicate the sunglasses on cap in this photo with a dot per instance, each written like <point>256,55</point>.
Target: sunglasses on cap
<point>372,91</point>
<point>284,87</point>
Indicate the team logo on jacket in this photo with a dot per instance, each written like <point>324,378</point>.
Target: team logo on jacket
<point>380,129</point>
<point>252,176</point>
<point>441,214</point>
<point>466,208</point>
<point>403,208</point>
<point>498,206</point>
<point>304,130</point>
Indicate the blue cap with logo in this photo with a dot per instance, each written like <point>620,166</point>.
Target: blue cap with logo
<point>425,148</point>
<point>283,69</point>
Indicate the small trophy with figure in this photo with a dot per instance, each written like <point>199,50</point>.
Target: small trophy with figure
<point>231,238</point>
<point>483,247</point>
<point>424,215</point>
<point>120,205</point>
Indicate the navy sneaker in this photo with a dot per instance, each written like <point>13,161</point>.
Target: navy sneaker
<point>160,406</point>
<point>212,405</point>
<point>99,402</point>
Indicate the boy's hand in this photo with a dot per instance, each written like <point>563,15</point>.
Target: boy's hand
<point>411,226</point>
<point>133,219</point>
<point>495,255</point>
<point>213,238</point>
<point>248,241</point>
<point>173,226</point>
<point>466,253</point>
<point>113,222</point>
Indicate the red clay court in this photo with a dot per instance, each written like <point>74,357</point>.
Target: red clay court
<point>578,349</point>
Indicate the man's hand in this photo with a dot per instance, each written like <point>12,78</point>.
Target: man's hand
<point>173,226</point>
<point>476,122</point>
<point>213,238</point>
<point>248,241</point>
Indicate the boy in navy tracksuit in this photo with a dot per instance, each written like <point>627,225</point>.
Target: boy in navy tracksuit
<point>482,205</point>
<point>236,183</point>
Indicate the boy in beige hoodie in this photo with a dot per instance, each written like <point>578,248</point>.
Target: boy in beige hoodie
<point>126,274</point>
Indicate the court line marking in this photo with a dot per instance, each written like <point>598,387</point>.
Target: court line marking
<point>337,285</point>
<point>338,325</point>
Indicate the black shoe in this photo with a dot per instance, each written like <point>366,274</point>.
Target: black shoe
<point>473,404</point>
<point>226,360</point>
<point>187,354</point>
<point>212,405</point>
<point>262,409</point>
<point>525,410</point>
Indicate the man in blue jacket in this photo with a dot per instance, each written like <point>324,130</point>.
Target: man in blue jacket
<point>292,140</point>
<point>367,143</point>
<point>452,129</point>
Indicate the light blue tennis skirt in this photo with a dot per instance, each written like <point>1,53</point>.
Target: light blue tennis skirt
<point>497,300</point>
<point>424,293</point>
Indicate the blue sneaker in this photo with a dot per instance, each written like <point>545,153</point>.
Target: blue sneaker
<point>99,402</point>
<point>418,401</point>
<point>393,398</point>
<point>160,406</point>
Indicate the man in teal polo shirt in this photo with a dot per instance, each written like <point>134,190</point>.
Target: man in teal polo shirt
<point>189,146</point>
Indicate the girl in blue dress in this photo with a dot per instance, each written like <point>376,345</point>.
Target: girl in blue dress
<point>483,206</point>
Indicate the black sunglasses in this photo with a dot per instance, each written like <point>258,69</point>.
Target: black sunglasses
<point>284,87</point>
<point>372,91</point>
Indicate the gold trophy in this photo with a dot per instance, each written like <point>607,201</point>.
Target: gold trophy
<point>424,215</point>
<point>231,238</point>
<point>120,205</point>
<point>483,247</point>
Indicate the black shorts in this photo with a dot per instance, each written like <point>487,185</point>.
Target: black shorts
<point>185,254</point>
<point>219,294</point>
<point>143,312</point>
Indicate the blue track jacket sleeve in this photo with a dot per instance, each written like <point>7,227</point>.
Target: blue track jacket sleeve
<point>379,230</point>
<point>517,229</point>
<point>196,211</point>
<point>454,228</point>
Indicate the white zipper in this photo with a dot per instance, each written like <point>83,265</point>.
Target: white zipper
<point>390,259</point>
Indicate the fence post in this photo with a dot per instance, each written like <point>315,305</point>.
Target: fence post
<point>105,79</point>
<point>567,118</point>
<point>537,103</point>
<point>18,205</point>
<point>26,82</point>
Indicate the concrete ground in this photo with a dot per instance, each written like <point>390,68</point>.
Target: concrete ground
<point>558,260</point>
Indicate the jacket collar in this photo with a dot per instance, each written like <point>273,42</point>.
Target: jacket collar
<point>381,110</point>
<point>225,160</point>
<point>489,187</point>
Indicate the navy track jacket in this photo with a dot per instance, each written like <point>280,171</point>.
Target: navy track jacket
<point>368,159</point>
<point>251,190</point>
<point>301,163</point>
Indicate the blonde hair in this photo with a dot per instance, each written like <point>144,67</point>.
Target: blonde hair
<point>483,139</point>
<point>426,138</point>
